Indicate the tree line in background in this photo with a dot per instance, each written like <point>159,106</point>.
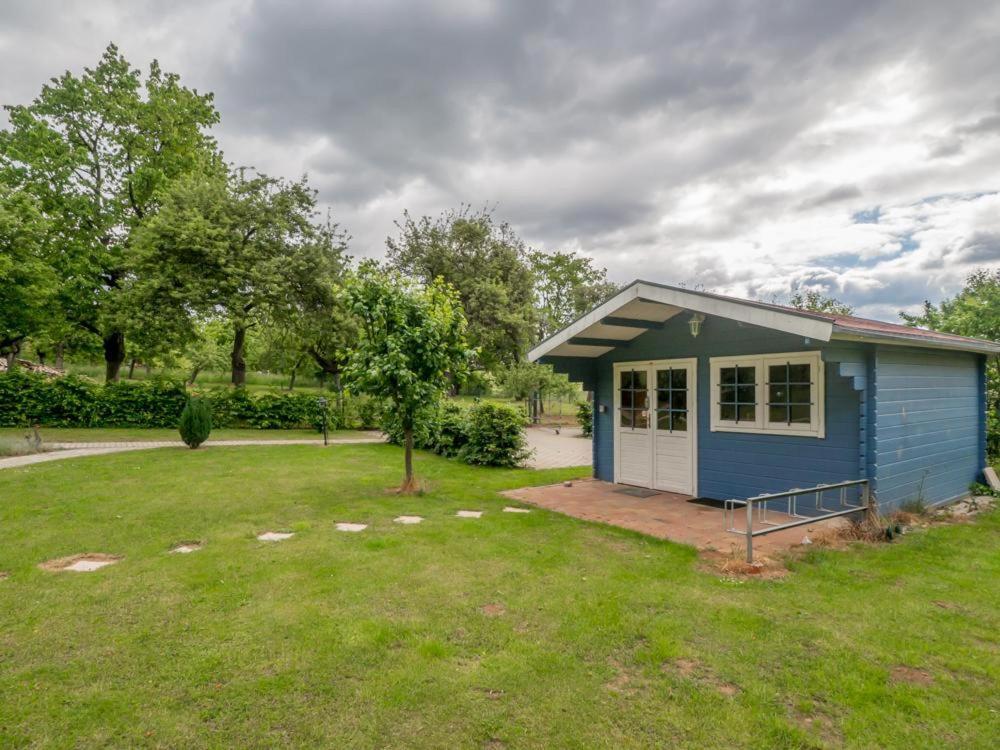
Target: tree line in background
<point>127,237</point>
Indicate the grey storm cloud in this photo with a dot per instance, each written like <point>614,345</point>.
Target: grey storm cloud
<point>724,144</point>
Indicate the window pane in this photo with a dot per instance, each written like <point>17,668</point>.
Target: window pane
<point>679,400</point>
<point>639,379</point>
<point>680,421</point>
<point>798,374</point>
<point>777,394</point>
<point>727,394</point>
<point>662,399</point>
<point>663,378</point>
<point>746,375</point>
<point>640,399</point>
<point>746,394</point>
<point>663,420</point>
<point>679,378</point>
<point>626,399</point>
<point>800,394</point>
<point>626,417</point>
<point>727,375</point>
<point>641,420</point>
<point>746,413</point>
<point>625,378</point>
<point>800,414</point>
<point>777,413</point>
<point>777,373</point>
<point>727,412</point>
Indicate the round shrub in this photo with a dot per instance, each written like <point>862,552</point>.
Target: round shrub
<point>495,436</point>
<point>196,422</point>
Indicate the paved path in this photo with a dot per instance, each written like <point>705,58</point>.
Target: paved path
<point>75,450</point>
<point>555,451</point>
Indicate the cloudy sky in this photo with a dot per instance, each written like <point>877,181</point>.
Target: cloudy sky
<point>743,147</point>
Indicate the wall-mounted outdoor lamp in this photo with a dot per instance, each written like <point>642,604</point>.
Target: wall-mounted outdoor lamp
<point>695,324</point>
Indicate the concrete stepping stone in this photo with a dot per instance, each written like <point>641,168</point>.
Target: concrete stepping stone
<point>85,563</point>
<point>408,519</point>
<point>185,548</point>
<point>469,513</point>
<point>355,527</point>
<point>275,536</point>
<point>512,509</point>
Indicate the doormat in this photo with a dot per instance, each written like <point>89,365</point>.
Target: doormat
<point>720,504</point>
<point>637,492</point>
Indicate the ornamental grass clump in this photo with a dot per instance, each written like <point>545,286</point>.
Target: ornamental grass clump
<point>196,422</point>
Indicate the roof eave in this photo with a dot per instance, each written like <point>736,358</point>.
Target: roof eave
<point>842,333</point>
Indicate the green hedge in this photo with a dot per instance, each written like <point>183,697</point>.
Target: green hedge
<point>72,401</point>
<point>484,434</point>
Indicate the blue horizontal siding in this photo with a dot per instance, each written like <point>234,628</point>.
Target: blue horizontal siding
<point>929,426</point>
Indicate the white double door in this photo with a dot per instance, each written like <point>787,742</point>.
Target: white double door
<point>656,424</point>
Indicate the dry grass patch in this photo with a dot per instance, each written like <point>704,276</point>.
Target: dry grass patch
<point>493,610</point>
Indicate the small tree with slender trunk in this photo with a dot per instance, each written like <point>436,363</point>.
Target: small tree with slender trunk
<point>411,345</point>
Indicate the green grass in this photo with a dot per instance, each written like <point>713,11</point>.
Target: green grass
<point>378,639</point>
<point>130,434</point>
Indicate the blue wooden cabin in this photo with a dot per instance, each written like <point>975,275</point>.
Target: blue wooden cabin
<point>718,397</point>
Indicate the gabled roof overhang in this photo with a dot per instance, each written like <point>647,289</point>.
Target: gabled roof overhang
<point>643,306</point>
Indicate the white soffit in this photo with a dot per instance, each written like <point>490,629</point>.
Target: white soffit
<point>653,302</point>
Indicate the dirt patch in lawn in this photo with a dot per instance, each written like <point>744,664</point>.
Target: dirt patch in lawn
<point>734,565</point>
<point>82,563</point>
<point>626,680</point>
<point>910,676</point>
<point>186,548</point>
<point>493,610</point>
<point>692,669</point>
<point>4,574</point>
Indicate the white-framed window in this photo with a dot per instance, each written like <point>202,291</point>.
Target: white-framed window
<point>768,393</point>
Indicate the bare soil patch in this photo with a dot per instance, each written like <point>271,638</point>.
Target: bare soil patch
<point>493,610</point>
<point>910,675</point>
<point>4,574</point>
<point>692,669</point>
<point>86,562</point>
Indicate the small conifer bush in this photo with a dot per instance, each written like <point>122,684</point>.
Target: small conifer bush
<point>196,422</point>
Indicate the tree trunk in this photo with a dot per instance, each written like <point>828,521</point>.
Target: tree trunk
<point>60,347</point>
<point>408,483</point>
<point>114,355</point>
<point>291,382</point>
<point>15,349</point>
<point>239,364</point>
<point>194,375</point>
<point>131,368</point>
<point>41,356</point>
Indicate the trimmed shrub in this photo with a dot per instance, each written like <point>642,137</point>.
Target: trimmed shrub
<point>196,422</point>
<point>585,416</point>
<point>495,436</point>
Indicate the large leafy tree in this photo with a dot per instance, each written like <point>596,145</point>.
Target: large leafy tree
<point>28,282</point>
<point>411,345</point>
<point>813,300</point>
<point>488,265</point>
<point>96,150</point>
<point>974,311</point>
<point>245,248</point>
<point>567,285</point>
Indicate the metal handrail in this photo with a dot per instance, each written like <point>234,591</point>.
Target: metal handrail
<point>760,501</point>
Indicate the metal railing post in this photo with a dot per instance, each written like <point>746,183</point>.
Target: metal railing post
<point>749,531</point>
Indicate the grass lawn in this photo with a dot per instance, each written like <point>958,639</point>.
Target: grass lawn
<point>591,636</point>
<point>135,434</point>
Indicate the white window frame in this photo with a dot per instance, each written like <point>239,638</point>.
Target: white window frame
<point>762,424</point>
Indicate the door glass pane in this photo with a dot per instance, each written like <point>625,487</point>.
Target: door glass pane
<point>799,394</point>
<point>625,378</point>
<point>727,412</point>
<point>641,420</point>
<point>662,399</point>
<point>678,400</point>
<point>638,378</point>
<point>626,399</point>
<point>800,414</point>
<point>678,378</point>
<point>746,375</point>
<point>680,421</point>
<point>640,399</point>
<point>777,413</point>
<point>663,378</point>
<point>663,420</point>
<point>746,413</point>
<point>626,417</point>
<point>798,374</point>
<point>727,376</point>
<point>746,394</point>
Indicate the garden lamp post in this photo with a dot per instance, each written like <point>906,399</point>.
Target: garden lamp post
<point>323,413</point>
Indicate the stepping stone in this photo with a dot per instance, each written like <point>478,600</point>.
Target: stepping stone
<point>185,548</point>
<point>275,536</point>
<point>512,509</point>
<point>408,519</point>
<point>352,527</point>
<point>85,563</point>
<point>469,513</point>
